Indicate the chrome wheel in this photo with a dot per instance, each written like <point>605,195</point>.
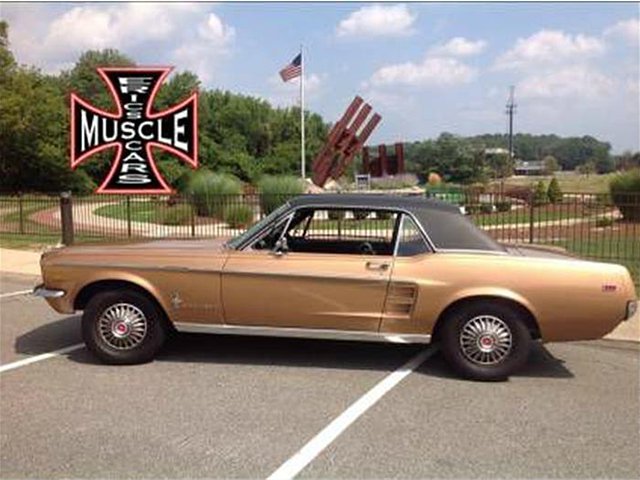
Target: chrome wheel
<point>486,340</point>
<point>122,326</point>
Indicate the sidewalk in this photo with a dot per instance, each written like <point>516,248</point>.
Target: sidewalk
<point>19,261</point>
<point>25,262</point>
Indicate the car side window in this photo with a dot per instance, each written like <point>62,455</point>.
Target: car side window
<point>267,240</point>
<point>347,231</point>
<point>410,239</point>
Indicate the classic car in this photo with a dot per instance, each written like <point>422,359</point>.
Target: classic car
<point>342,266</point>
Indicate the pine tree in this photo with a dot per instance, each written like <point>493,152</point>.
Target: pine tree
<point>540,196</point>
<point>554,193</point>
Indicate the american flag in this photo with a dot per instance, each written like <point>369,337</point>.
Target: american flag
<point>293,69</point>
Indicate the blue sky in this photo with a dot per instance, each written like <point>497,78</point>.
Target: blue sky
<point>426,68</point>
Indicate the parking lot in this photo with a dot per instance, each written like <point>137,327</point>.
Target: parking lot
<point>215,406</point>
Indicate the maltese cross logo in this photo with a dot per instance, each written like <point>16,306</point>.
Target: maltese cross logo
<point>134,130</point>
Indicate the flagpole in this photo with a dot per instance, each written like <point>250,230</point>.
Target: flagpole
<point>302,139</point>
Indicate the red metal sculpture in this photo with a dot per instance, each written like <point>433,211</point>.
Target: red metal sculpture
<point>344,141</point>
<point>384,164</point>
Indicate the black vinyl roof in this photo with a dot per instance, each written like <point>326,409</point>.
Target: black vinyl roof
<point>444,223</point>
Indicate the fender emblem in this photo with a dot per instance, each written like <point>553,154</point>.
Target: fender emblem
<point>176,301</point>
<point>608,287</point>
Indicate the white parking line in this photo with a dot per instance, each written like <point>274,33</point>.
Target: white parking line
<point>39,358</point>
<point>15,294</point>
<point>322,440</point>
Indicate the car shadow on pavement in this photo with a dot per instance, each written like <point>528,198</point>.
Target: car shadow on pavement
<point>541,364</point>
<point>49,337</point>
<point>291,352</point>
<point>294,352</point>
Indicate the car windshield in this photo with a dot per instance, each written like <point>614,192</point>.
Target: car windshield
<point>256,227</point>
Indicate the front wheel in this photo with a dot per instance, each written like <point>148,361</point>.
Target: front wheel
<point>123,327</point>
<point>485,341</point>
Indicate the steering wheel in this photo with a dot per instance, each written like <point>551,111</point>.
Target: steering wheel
<point>366,248</point>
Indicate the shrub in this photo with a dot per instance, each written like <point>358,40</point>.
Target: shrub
<point>361,214</point>
<point>520,192</point>
<point>212,192</point>
<point>486,208</point>
<point>276,190</point>
<point>383,215</point>
<point>175,215</point>
<point>625,193</point>
<point>434,179</point>
<point>553,191</point>
<point>238,216</point>
<point>394,182</point>
<point>503,206</point>
<point>604,222</point>
<point>540,196</point>
<point>336,214</point>
<point>472,208</point>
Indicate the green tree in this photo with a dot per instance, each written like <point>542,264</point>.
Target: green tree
<point>540,196</point>
<point>33,130</point>
<point>587,168</point>
<point>550,164</point>
<point>554,193</point>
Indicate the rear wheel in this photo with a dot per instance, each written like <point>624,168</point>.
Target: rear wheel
<point>485,341</point>
<point>123,327</point>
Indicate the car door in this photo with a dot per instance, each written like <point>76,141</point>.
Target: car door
<point>321,282</point>
<point>406,308</point>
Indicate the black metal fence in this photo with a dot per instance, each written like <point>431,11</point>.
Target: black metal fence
<point>588,225</point>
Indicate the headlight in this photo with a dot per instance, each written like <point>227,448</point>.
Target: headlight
<point>632,308</point>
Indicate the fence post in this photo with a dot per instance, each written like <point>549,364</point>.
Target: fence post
<point>21,212</point>
<point>66,217</point>
<point>531,207</point>
<point>129,216</point>
<point>192,209</point>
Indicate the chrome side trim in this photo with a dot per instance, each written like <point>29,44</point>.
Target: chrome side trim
<point>296,274</point>
<point>41,291</point>
<point>469,250</point>
<point>145,267</point>
<point>288,332</point>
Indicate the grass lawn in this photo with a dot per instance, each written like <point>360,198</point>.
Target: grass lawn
<point>147,212</point>
<point>39,242</point>
<point>569,182</point>
<point>28,242</point>
<point>521,215</point>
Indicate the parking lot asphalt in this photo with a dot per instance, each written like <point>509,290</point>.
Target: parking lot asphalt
<point>221,407</point>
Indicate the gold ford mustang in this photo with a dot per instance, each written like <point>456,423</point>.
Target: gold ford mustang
<point>354,267</point>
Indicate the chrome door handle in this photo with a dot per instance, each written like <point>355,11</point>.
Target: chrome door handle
<point>377,265</point>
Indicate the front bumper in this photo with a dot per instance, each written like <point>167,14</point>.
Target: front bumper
<point>41,291</point>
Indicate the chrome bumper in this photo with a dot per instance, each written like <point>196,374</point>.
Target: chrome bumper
<point>632,308</point>
<point>41,291</point>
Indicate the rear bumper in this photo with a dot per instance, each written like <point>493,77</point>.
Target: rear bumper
<point>41,291</point>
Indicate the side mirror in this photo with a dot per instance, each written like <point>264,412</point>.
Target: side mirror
<point>281,247</point>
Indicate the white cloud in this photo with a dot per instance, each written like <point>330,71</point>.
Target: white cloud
<point>377,20</point>
<point>54,42</point>
<point>549,47</point>
<point>433,71</point>
<point>569,82</point>
<point>459,47</point>
<point>627,29</point>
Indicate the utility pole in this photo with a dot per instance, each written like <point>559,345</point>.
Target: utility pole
<point>511,110</point>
